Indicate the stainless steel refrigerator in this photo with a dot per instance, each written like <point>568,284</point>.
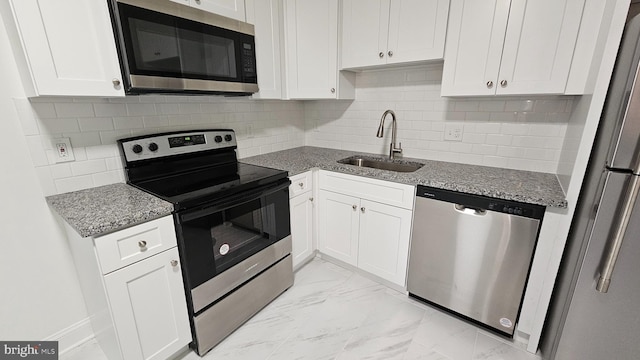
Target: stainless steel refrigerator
<point>595,308</point>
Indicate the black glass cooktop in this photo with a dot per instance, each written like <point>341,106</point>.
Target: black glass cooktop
<point>200,186</point>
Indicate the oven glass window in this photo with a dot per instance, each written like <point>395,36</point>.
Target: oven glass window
<point>164,45</point>
<point>216,241</point>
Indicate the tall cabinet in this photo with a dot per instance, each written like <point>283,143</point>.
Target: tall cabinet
<point>510,47</point>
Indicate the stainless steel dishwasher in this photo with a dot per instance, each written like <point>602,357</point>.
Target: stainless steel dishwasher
<point>471,255</point>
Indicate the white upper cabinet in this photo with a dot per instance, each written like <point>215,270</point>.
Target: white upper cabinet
<point>230,8</point>
<point>64,52</point>
<point>510,47</point>
<point>385,32</point>
<point>311,48</point>
<point>266,16</point>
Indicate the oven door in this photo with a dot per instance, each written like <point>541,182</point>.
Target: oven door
<point>164,48</point>
<point>230,232</point>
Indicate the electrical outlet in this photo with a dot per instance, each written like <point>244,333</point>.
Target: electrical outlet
<point>63,150</point>
<point>453,132</point>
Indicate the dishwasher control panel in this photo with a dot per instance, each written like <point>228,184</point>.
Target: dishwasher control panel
<point>482,202</point>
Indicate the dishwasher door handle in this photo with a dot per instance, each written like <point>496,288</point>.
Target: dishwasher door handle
<point>469,210</point>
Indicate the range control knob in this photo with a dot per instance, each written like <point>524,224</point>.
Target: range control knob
<point>218,138</point>
<point>153,146</point>
<point>137,149</point>
<point>227,138</point>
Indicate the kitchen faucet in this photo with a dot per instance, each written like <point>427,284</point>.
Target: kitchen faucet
<point>392,148</point>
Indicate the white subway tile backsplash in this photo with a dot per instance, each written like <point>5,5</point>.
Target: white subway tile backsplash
<point>43,110</point>
<point>73,183</point>
<point>110,109</point>
<point>58,125</point>
<point>102,151</point>
<point>108,177</point>
<point>95,124</point>
<point>88,167</point>
<point>138,109</point>
<point>132,122</point>
<point>61,171</point>
<point>26,116</point>
<point>74,110</point>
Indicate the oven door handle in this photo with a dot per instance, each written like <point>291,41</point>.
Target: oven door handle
<point>233,200</point>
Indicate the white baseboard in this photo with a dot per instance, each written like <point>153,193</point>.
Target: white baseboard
<point>72,336</point>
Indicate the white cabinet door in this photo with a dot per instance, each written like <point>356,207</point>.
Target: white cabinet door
<point>338,226</point>
<point>311,46</point>
<point>68,47</point>
<point>148,307</point>
<point>383,247</point>
<point>474,46</point>
<point>510,47</point>
<point>417,30</point>
<point>301,227</point>
<point>538,46</point>
<point>365,28</point>
<point>266,15</point>
<point>392,31</point>
<point>230,8</point>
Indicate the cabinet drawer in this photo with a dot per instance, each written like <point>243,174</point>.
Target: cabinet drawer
<point>385,192</point>
<point>129,245</point>
<point>300,183</point>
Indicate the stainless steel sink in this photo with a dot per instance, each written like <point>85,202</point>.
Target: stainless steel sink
<point>406,166</point>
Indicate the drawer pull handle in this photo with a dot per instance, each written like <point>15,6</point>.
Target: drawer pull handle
<point>142,244</point>
<point>174,263</point>
<point>301,185</point>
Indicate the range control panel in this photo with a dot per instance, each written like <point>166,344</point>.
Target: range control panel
<point>175,143</point>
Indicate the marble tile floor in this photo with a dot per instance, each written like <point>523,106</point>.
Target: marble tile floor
<point>334,313</point>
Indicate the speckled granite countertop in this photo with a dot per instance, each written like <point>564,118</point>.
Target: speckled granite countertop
<point>107,208</point>
<point>524,186</point>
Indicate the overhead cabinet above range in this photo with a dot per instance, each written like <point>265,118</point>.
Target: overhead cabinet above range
<point>510,47</point>
<point>383,32</point>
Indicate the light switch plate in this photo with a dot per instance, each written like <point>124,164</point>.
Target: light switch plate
<point>63,150</point>
<point>453,132</point>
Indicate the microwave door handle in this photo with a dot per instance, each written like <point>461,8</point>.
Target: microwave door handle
<point>616,236</point>
<point>232,201</point>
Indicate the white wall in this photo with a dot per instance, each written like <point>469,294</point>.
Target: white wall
<point>40,292</point>
<point>524,133</point>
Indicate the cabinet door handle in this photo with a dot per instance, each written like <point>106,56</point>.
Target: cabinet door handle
<point>381,54</point>
<point>301,184</point>
<point>390,53</point>
<point>310,199</point>
<point>116,82</point>
<point>174,263</point>
<point>333,90</point>
<point>503,83</point>
<point>354,207</point>
<point>362,209</point>
<point>489,84</point>
<point>142,244</point>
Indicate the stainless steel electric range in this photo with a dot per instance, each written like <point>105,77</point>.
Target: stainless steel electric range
<point>231,219</point>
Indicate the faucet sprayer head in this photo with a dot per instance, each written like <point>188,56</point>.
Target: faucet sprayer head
<point>380,129</point>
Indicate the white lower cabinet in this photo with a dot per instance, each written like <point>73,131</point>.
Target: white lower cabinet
<point>370,235</point>
<point>301,206</point>
<point>137,311</point>
<point>383,248</point>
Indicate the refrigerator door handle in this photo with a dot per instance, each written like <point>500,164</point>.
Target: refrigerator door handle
<point>617,234</point>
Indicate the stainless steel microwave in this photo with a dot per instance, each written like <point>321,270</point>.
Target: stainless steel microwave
<point>167,47</point>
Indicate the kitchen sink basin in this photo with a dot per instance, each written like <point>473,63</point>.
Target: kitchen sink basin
<point>404,166</point>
